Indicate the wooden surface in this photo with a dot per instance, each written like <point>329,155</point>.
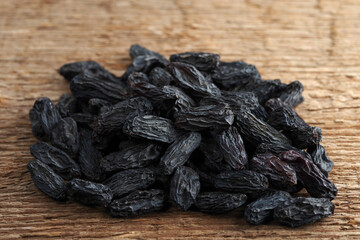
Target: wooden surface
<point>316,42</point>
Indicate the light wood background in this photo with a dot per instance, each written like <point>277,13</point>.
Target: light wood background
<point>316,42</point>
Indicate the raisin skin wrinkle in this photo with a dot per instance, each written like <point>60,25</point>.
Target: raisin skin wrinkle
<point>70,70</point>
<point>86,86</point>
<point>219,202</point>
<point>320,158</point>
<point>56,159</point>
<point>185,186</point>
<point>96,104</point>
<point>264,89</point>
<point>66,105</point>
<point>140,86</point>
<point>233,149</point>
<point>292,94</point>
<point>89,157</point>
<point>235,74</point>
<point>191,79</point>
<point>182,100</point>
<point>201,60</point>
<point>315,182</point>
<point>112,119</point>
<point>144,60</point>
<point>152,128</point>
<point>129,180</point>
<point>204,117</point>
<point>179,152</point>
<point>89,193</point>
<point>137,50</point>
<point>43,117</point>
<point>261,210</point>
<point>244,181</point>
<point>134,156</point>
<point>160,77</point>
<point>46,180</point>
<point>300,211</point>
<point>279,173</point>
<point>283,117</point>
<point>65,136</point>
<point>137,203</point>
<point>257,131</point>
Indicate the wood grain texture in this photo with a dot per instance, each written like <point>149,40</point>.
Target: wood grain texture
<point>316,42</point>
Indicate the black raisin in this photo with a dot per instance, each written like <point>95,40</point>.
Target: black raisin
<point>134,156</point>
<point>137,203</point>
<point>243,181</point>
<point>185,186</point>
<point>56,159</point>
<point>201,60</point>
<point>89,193</point>
<point>129,180</point>
<point>179,152</point>
<point>152,128</point>
<point>47,180</point>
<point>261,210</point>
<point>43,116</point>
<point>65,136</point>
<point>300,211</point>
<point>219,202</point>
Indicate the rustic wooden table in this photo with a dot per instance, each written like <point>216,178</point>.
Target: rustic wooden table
<point>316,42</point>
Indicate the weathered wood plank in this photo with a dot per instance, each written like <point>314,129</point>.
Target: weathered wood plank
<point>316,42</point>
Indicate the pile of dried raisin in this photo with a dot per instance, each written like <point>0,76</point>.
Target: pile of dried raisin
<point>194,131</point>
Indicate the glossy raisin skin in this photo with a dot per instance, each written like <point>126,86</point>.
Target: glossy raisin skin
<point>201,60</point>
<point>300,211</point>
<point>89,157</point>
<point>219,202</point>
<point>232,146</point>
<point>192,80</point>
<point>321,159</point>
<point>160,77</point>
<point>182,100</point>
<point>257,131</point>
<point>46,180</point>
<point>264,89</point>
<point>261,210</point>
<point>70,70</point>
<point>243,181</point>
<point>86,86</point>
<point>144,60</point>
<point>112,119</point>
<point>152,128</point>
<point>279,173</point>
<point>89,193</point>
<point>185,186</point>
<point>234,74</point>
<point>96,104</point>
<point>129,180</point>
<point>204,117</point>
<point>67,105</point>
<point>65,136</point>
<point>43,117</point>
<point>283,117</point>
<point>292,94</point>
<point>315,182</point>
<point>137,50</point>
<point>179,152</point>
<point>133,156</point>
<point>140,86</point>
<point>137,203</point>
<point>56,159</point>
